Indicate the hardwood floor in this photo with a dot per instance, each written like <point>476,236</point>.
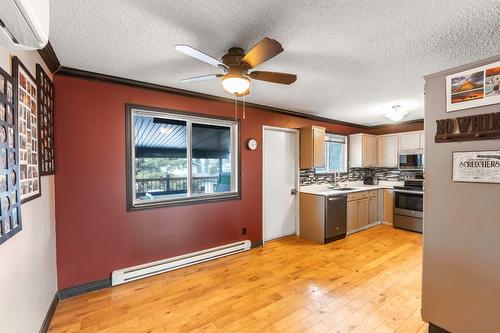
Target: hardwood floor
<point>368,282</point>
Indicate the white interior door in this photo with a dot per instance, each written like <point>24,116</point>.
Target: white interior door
<point>280,164</point>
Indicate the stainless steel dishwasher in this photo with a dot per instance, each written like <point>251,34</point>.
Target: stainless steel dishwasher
<point>323,219</point>
<point>335,217</point>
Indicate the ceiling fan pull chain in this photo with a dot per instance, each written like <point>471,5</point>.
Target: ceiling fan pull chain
<point>244,109</point>
<point>235,108</point>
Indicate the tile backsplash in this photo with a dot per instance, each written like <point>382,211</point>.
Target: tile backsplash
<point>308,176</point>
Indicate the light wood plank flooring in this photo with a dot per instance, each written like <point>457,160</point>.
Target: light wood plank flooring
<point>368,282</point>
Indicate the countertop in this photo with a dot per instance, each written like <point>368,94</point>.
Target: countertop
<point>324,189</point>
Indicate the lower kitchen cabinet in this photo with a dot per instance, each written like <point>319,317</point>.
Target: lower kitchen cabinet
<point>388,205</point>
<point>373,217</point>
<point>362,209</point>
<point>363,212</point>
<point>380,199</point>
<point>352,215</point>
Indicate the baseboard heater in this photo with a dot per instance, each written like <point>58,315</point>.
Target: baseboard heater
<point>166,265</point>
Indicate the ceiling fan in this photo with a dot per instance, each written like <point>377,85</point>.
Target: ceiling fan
<point>236,64</point>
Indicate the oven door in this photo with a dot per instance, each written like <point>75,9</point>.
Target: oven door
<point>408,203</point>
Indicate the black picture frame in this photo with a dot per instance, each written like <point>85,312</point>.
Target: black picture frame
<point>130,206</point>
<point>45,97</point>
<point>19,68</point>
<point>10,218</point>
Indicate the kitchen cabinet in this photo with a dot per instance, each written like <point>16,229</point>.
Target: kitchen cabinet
<point>388,151</point>
<point>362,150</point>
<point>373,216</point>
<point>366,150</point>
<point>312,147</point>
<point>352,215</point>
<point>410,141</point>
<point>380,205</point>
<point>363,212</point>
<point>388,205</point>
<point>358,210</point>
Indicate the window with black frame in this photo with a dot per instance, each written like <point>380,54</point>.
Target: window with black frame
<point>177,158</point>
<point>335,154</point>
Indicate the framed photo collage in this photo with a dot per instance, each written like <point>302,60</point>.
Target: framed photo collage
<point>26,141</point>
<point>10,212</point>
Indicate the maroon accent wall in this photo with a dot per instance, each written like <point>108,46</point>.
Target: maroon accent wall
<point>95,233</point>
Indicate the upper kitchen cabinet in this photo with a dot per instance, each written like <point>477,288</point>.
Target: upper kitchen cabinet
<point>312,147</point>
<point>362,150</point>
<point>388,151</point>
<point>411,140</point>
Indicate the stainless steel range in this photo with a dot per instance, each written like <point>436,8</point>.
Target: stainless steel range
<point>409,205</point>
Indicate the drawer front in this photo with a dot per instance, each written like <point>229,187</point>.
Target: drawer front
<point>373,193</point>
<point>358,196</point>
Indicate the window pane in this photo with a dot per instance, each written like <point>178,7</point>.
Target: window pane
<point>161,167</point>
<point>211,159</point>
<point>335,154</point>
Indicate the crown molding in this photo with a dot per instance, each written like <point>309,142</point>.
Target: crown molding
<point>414,121</point>
<point>50,58</point>
<point>82,74</point>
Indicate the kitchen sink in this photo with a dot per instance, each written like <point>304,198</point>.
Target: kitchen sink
<point>343,188</point>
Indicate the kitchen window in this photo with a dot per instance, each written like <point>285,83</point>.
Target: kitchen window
<point>335,154</point>
<point>178,158</point>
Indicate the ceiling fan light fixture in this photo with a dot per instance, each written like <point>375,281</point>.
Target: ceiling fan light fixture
<point>397,114</point>
<point>235,84</point>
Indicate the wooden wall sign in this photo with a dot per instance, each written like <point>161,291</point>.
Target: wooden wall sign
<point>469,128</point>
<point>476,166</point>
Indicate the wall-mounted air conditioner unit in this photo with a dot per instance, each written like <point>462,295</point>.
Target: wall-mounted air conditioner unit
<point>24,24</point>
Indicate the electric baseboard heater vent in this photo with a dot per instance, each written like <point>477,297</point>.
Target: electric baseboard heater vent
<point>161,266</point>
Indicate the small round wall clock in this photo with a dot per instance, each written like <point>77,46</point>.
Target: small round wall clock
<point>252,144</point>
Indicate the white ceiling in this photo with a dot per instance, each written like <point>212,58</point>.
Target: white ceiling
<point>354,59</point>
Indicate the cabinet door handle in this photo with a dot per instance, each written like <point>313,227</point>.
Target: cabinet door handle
<point>293,191</point>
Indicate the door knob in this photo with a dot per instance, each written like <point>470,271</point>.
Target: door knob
<point>293,191</point>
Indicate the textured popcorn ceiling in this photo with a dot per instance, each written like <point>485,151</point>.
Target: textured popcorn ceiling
<point>354,59</point>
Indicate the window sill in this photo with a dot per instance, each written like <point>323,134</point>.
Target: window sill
<point>184,201</point>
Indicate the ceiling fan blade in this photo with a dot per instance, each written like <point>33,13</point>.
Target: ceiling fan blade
<point>276,77</point>
<point>202,78</point>
<point>263,51</point>
<point>192,52</point>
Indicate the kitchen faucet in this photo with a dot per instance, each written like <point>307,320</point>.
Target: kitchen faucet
<point>336,177</point>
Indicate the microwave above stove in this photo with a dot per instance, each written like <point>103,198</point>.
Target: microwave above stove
<point>411,161</point>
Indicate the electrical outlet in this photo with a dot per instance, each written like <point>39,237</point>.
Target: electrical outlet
<point>243,231</point>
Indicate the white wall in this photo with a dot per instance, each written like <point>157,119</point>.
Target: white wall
<point>28,280</point>
<point>461,261</point>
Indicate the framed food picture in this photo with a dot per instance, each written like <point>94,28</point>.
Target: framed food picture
<point>45,122</point>
<point>10,208</point>
<point>25,96</point>
<point>473,88</point>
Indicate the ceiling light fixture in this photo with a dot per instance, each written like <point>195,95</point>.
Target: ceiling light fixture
<point>235,84</point>
<point>397,114</point>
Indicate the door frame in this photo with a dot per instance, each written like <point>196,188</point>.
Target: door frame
<point>296,133</point>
